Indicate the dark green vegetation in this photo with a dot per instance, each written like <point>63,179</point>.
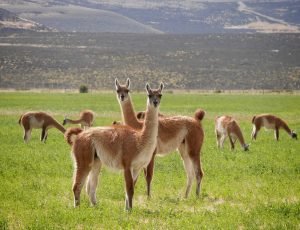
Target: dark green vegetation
<point>83,89</point>
<point>245,190</point>
<point>67,60</point>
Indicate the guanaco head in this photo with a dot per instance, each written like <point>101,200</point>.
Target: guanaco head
<point>294,135</point>
<point>246,147</point>
<point>154,95</point>
<point>122,90</point>
<point>64,121</point>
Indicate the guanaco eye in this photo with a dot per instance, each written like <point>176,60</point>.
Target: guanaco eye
<point>124,91</point>
<point>159,95</point>
<point>150,96</point>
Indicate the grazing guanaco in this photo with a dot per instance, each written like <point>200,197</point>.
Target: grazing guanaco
<point>86,118</point>
<point>174,132</point>
<point>270,122</point>
<point>38,120</point>
<point>227,126</point>
<point>118,146</point>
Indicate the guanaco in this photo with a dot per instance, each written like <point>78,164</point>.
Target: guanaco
<point>38,120</point>
<point>118,146</point>
<point>227,126</point>
<point>174,132</point>
<point>86,119</point>
<point>270,122</point>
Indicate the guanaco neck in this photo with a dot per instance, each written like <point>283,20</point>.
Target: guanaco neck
<point>73,121</point>
<point>128,114</point>
<point>240,137</point>
<point>150,127</point>
<point>58,126</point>
<point>285,127</point>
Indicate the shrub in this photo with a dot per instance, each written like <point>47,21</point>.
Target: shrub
<point>83,89</point>
<point>217,91</point>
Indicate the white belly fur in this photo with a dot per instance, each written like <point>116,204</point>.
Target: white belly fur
<point>164,148</point>
<point>110,160</point>
<point>142,159</point>
<point>268,125</point>
<point>34,123</point>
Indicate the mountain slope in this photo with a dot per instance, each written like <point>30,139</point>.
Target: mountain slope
<point>166,16</point>
<point>220,17</point>
<point>11,22</point>
<point>263,22</point>
<point>77,18</point>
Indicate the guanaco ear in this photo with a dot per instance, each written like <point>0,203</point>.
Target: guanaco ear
<point>148,88</point>
<point>161,87</point>
<point>128,83</point>
<point>117,84</point>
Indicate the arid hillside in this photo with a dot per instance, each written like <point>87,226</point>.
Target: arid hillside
<point>218,62</point>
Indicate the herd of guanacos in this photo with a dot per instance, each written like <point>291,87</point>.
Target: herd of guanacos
<point>131,145</point>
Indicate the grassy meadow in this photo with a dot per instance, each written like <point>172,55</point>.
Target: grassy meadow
<point>259,189</point>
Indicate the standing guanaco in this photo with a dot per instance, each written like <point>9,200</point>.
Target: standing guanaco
<point>174,132</point>
<point>118,146</point>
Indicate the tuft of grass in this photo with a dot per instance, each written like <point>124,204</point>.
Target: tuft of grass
<point>255,189</point>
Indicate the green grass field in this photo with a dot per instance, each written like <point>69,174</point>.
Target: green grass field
<point>240,190</point>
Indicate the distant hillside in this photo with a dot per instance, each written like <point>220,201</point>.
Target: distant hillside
<point>166,16</point>
<point>11,22</point>
<point>74,18</point>
<point>204,61</point>
<point>220,17</point>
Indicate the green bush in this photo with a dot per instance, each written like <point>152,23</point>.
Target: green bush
<point>217,91</point>
<point>83,89</point>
